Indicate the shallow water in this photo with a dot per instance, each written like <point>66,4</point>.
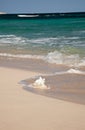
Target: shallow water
<point>69,87</point>
<point>53,47</point>
<point>59,41</point>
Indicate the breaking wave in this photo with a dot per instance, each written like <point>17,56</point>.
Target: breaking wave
<point>48,41</point>
<point>60,58</point>
<point>70,71</point>
<point>12,39</point>
<point>55,57</point>
<point>69,56</point>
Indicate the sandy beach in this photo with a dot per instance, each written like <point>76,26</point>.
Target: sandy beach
<point>42,71</point>
<point>20,109</point>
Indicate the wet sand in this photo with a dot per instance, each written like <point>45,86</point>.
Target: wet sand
<point>64,86</point>
<point>69,87</point>
<point>31,64</point>
<point>21,109</point>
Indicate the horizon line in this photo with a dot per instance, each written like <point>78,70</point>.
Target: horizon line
<point>44,12</point>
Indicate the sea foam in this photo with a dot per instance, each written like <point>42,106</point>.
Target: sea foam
<point>63,59</point>
<point>39,83</point>
<point>75,71</point>
<point>55,57</point>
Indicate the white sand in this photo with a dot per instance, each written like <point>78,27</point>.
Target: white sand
<point>22,110</point>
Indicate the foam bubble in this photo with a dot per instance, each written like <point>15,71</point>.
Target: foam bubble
<point>39,83</point>
<point>63,59</point>
<point>75,71</point>
<point>53,58</point>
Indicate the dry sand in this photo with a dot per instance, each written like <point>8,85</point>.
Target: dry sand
<point>22,110</point>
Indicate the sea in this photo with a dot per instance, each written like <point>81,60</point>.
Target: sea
<point>55,42</point>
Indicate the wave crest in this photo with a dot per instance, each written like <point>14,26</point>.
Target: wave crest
<point>55,57</point>
<point>60,58</point>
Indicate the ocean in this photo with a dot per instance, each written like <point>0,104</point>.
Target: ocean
<point>58,43</point>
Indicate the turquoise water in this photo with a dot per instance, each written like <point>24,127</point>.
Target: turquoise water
<point>54,47</point>
<point>60,40</point>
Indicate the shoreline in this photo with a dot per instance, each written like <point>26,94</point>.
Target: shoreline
<point>20,109</point>
<point>63,85</point>
<point>32,64</point>
<point>42,72</point>
<point>67,87</point>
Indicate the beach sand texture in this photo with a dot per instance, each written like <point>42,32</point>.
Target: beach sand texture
<point>22,110</point>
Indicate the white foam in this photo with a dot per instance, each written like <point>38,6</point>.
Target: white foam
<point>49,41</point>
<point>53,58</point>
<point>82,63</point>
<point>70,71</point>
<point>22,56</point>
<point>12,39</point>
<point>25,16</point>
<point>75,71</point>
<point>6,36</point>
<point>40,83</point>
<point>63,59</point>
<point>43,40</point>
